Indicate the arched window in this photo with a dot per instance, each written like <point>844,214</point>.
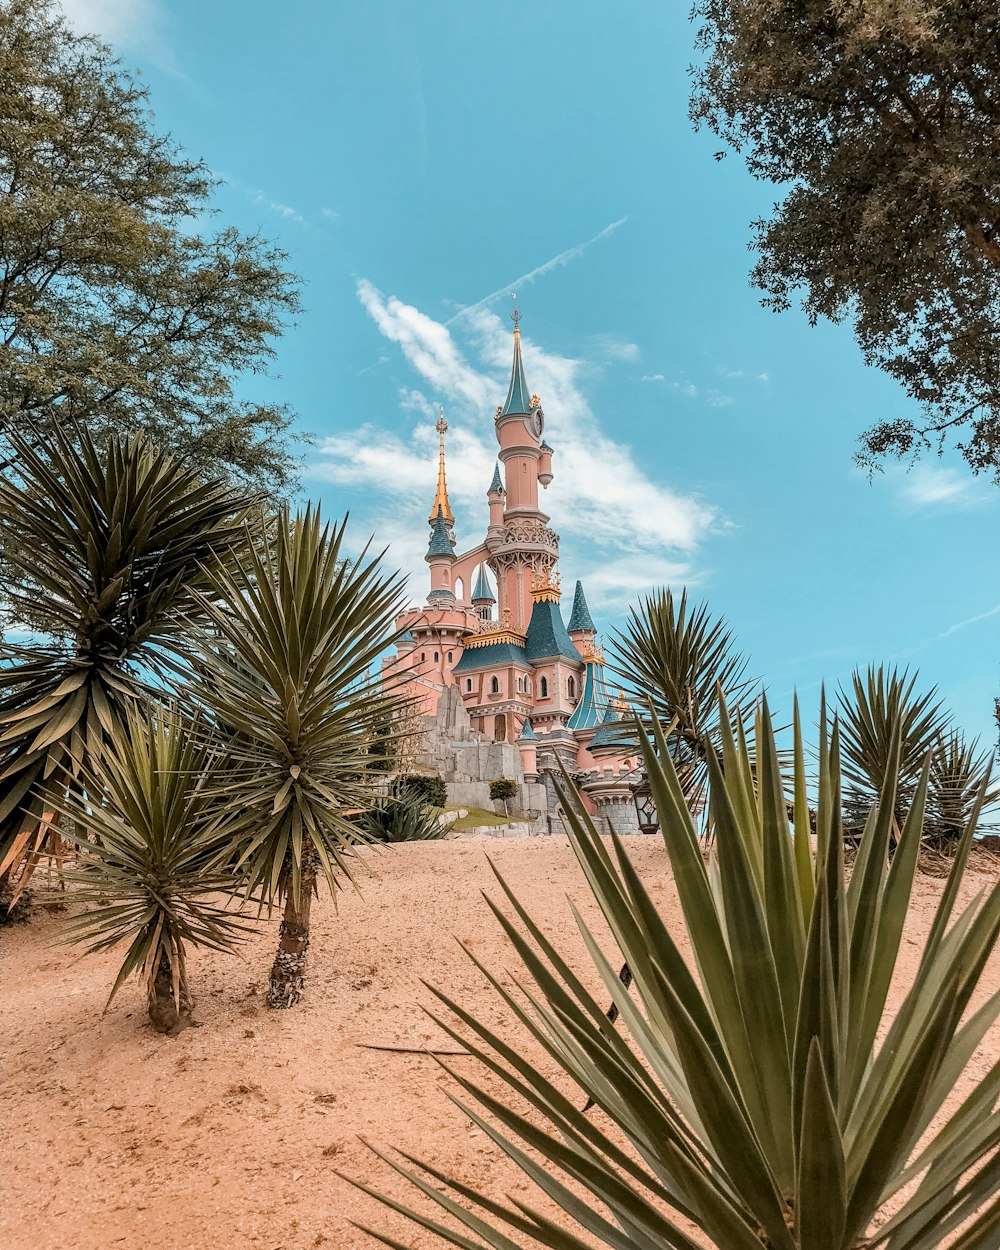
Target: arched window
<point>494,685</point>
<point>436,657</point>
<point>500,729</point>
<point>423,655</point>
<point>468,685</point>
<point>571,687</point>
<point>459,589</point>
<point>543,688</point>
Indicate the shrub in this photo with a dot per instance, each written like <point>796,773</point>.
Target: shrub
<point>503,788</point>
<point>406,819</point>
<point>429,790</point>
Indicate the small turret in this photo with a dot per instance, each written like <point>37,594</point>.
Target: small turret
<point>482,596</point>
<point>544,463</point>
<point>581,626</point>
<point>497,497</point>
<point>527,744</point>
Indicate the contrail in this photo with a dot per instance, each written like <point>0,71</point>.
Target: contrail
<point>562,259</point>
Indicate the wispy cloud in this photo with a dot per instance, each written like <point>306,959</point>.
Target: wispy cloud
<point>556,262</point>
<point>134,25</point>
<point>707,394</point>
<point>935,486</point>
<point>970,620</point>
<point>622,531</point>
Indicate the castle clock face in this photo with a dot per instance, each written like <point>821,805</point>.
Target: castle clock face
<point>537,424</point>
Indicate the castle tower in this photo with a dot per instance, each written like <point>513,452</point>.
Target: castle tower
<point>441,546</point>
<point>522,547</point>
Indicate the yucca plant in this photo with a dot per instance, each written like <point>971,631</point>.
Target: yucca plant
<point>289,669</point>
<point>402,818</point>
<point>957,771</point>
<point>681,660</point>
<point>759,1093</point>
<point>881,705</point>
<point>152,859</point>
<point>107,545</point>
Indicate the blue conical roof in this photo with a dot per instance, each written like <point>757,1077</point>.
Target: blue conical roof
<point>518,395</point>
<point>483,592</point>
<point>589,712</point>
<point>496,485</point>
<point>527,734</point>
<point>579,618</point>
<point>612,734</point>
<point>441,541</point>
<point>546,637</point>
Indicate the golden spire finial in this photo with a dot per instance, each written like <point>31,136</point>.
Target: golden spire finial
<point>441,497</point>
<point>515,316</point>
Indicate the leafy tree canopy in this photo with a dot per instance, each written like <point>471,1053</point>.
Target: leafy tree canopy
<point>119,309</point>
<point>880,119</point>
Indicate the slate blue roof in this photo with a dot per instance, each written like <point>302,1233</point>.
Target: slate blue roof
<point>441,541</point>
<point>589,712</point>
<point>547,636</point>
<point>580,617</point>
<point>404,639</point>
<point>518,396</point>
<point>527,734</point>
<point>483,592</point>
<point>495,655</point>
<point>612,734</point>
<point>496,484</point>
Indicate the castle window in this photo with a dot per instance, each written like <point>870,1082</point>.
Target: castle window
<point>494,686</point>
<point>423,655</point>
<point>449,656</point>
<point>544,688</point>
<point>436,657</point>
<point>571,687</point>
<point>468,685</point>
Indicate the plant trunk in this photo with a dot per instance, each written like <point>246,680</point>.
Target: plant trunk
<point>288,972</point>
<point>170,1015</point>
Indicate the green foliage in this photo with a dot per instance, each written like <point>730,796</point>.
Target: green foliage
<point>679,661</point>
<point>429,790</point>
<point>152,857</point>
<point>118,309</point>
<point>758,1094</point>
<point>108,547</point>
<point>880,707</point>
<point>402,819</point>
<point>878,121</point>
<point>503,788</point>
<point>957,772</point>
<point>289,668</point>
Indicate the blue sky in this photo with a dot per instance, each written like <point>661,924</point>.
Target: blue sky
<point>419,162</point>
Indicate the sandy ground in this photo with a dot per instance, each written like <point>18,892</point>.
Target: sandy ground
<point>229,1135</point>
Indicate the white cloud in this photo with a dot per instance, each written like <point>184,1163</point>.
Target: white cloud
<point>276,207</point>
<point>653,377</point>
<point>930,486</point>
<point>329,214</point>
<point>708,395</point>
<point>630,531</point>
<point>132,25</point>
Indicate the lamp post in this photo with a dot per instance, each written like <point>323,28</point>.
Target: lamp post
<point>642,796</point>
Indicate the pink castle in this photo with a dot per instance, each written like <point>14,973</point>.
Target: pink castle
<point>524,676</point>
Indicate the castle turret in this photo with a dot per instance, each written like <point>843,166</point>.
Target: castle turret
<point>520,422</point>
<point>544,463</point>
<point>483,598</point>
<point>497,497</point>
<point>581,625</point>
<point>441,547</point>
<point>527,744</point>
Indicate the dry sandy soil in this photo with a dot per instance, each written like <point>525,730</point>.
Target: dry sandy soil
<point>230,1135</point>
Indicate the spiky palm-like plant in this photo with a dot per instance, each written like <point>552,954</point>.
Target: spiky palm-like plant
<point>107,546</point>
<point>289,667</point>
<point>754,1095</point>
<point>881,704</point>
<point>957,771</point>
<point>678,660</point>
<point>154,857</point>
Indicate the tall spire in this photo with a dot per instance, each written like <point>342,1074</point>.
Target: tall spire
<point>580,619</point>
<point>518,396</point>
<point>441,503</point>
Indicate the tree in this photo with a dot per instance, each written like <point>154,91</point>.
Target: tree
<point>504,789</point>
<point>879,120</point>
<point>108,546</point>
<point>152,861</point>
<point>119,310</point>
<point>288,669</point>
<point>762,1094</point>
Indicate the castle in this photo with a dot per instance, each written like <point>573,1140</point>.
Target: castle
<point>506,686</point>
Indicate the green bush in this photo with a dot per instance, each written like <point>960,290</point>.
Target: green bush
<point>503,788</point>
<point>406,819</point>
<point>429,790</point>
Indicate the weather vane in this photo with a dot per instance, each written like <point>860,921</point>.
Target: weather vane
<point>515,316</point>
<point>442,424</point>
